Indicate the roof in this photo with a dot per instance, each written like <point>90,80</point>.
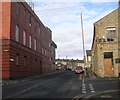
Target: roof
<point>53,44</point>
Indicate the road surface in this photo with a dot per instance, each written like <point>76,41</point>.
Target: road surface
<point>62,84</point>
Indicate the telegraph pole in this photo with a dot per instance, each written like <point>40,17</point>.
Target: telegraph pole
<point>83,45</point>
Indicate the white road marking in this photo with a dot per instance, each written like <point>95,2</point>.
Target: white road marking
<point>83,86</point>
<point>22,91</point>
<point>92,91</point>
<point>108,91</point>
<point>83,91</point>
<point>91,88</point>
<point>29,88</point>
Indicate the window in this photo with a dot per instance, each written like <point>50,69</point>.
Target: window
<point>50,58</point>
<point>30,21</point>
<point>30,41</point>
<point>43,51</point>
<point>34,44</point>
<point>31,62</point>
<point>100,40</point>
<point>35,29</point>
<point>117,60</point>
<point>17,59</point>
<point>24,38</point>
<point>36,61</point>
<point>24,16</point>
<point>89,58</point>
<point>17,33</point>
<point>17,8</point>
<point>24,60</point>
<point>39,29</point>
<point>111,34</point>
<point>49,44</point>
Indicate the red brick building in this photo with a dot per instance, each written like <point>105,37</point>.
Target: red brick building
<point>26,42</point>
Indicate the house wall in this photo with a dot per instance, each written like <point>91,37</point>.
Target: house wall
<point>5,35</point>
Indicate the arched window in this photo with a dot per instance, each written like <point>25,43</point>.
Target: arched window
<point>17,33</point>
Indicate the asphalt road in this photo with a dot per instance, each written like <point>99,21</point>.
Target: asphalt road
<point>64,84</point>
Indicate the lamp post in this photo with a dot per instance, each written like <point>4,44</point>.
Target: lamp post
<point>83,44</point>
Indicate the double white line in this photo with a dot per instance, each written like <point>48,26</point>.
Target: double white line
<point>91,88</point>
<point>84,90</point>
<point>84,87</point>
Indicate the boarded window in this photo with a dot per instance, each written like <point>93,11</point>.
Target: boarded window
<point>111,34</point>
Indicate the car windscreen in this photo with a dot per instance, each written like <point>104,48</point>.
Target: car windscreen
<point>78,68</point>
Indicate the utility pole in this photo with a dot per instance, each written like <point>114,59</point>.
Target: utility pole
<point>83,45</point>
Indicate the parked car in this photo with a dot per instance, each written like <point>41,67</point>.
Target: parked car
<point>79,70</point>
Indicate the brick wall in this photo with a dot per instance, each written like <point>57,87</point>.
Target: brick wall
<point>30,61</point>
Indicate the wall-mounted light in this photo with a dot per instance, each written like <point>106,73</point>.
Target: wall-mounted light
<point>12,60</point>
<point>5,50</point>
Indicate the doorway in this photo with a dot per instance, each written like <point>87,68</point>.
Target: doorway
<point>108,64</point>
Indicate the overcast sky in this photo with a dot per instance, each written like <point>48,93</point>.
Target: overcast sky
<point>63,18</point>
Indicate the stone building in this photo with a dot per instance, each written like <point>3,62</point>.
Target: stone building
<point>105,59</point>
<point>69,63</point>
<point>88,58</point>
<point>26,42</point>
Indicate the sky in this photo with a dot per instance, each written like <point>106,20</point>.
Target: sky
<point>63,18</point>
